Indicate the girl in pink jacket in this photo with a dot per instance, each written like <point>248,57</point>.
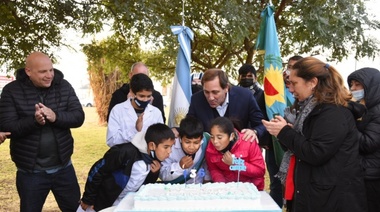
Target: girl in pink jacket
<point>227,143</point>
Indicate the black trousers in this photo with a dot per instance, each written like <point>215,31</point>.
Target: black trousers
<point>373,195</point>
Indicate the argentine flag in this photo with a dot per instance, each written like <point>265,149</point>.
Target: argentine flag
<point>181,92</point>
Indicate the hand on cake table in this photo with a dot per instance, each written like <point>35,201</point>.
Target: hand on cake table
<point>186,162</point>
<point>227,158</point>
<point>155,166</point>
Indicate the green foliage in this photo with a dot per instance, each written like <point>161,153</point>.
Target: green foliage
<point>35,25</point>
<point>338,26</point>
<point>109,63</point>
<point>225,34</point>
<point>226,31</point>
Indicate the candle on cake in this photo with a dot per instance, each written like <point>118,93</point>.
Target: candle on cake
<point>193,174</point>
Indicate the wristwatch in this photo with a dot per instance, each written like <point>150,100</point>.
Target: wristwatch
<point>255,131</point>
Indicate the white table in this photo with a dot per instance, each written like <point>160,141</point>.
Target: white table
<point>263,204</point>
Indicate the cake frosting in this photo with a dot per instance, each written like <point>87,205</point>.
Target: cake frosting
<point>192,197</point>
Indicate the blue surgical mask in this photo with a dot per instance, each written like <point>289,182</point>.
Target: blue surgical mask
<point>358,95</point>
<point>141,104</point>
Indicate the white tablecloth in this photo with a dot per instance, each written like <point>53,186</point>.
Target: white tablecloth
<point>264,204</point>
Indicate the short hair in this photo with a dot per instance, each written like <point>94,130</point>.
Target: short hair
<point>137,64</point>
<point>247,68</point>
<point>211,74</point>
<point>330,87</point>
<point>157,133</point>
<point>190,127</point>
<point>295,57</point>
<point>224,124</point>
<point>140,82</point>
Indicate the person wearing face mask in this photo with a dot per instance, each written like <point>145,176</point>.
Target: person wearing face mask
<point>323,168</point>
<point>248,79</point>
<point>196,82</point>
<point>124,92</point>
<point>126,167</point>
<point>365,88</point>
<point>134,114</point>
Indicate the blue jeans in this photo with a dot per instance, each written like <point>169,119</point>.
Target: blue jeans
<point>275,183</point>
<point>33,189</point>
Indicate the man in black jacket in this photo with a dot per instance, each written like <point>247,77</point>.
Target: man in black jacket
<point>248,79</point>
<point>38,109</point>
<point>124,92</point>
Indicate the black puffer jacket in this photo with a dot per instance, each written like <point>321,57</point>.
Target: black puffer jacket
<point>327,176</point>
<point>17,108</point>
<point>369,124</point>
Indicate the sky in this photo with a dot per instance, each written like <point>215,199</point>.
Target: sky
<point>74,63</point>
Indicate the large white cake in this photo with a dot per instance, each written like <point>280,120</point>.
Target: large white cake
<point>195,197</point>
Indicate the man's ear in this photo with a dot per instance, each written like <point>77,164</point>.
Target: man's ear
<point>27,71</point>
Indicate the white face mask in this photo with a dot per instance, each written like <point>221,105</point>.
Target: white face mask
<point>358,95</point>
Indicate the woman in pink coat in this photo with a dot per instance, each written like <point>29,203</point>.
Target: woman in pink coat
<point>226,144</point>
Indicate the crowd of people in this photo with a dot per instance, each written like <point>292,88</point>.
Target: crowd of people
<point>322,155</point>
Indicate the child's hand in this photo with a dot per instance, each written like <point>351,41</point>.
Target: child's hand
<point>175,131</point>
<point>186,162</point>
<point>227,158</point>
<point>155,166</point>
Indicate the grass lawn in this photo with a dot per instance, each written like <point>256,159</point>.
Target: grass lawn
<point>89,146</point>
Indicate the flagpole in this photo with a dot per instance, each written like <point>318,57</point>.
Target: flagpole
<point>183,12</point>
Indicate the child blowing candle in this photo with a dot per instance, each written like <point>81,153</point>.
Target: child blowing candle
<point>125,167</point>
<point>227,141</point>
<point>188,153</point>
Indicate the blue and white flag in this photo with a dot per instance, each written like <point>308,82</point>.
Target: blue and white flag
<point>181,92</point>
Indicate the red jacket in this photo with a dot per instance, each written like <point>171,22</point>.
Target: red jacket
<point>253,160</point>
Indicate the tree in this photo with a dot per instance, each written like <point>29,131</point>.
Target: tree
<point>35,25</point>
<point>225,32</point>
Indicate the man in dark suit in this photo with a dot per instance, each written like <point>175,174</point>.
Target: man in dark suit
<point>123,93</point>
<point>248,79</point>
<point>220,99</point>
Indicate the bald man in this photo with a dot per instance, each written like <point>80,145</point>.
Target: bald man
<point>38,109</point>
<point>124,92</point>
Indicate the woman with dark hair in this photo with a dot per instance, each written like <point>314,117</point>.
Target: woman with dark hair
<point>324,172</point>
<point>365,88</point>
